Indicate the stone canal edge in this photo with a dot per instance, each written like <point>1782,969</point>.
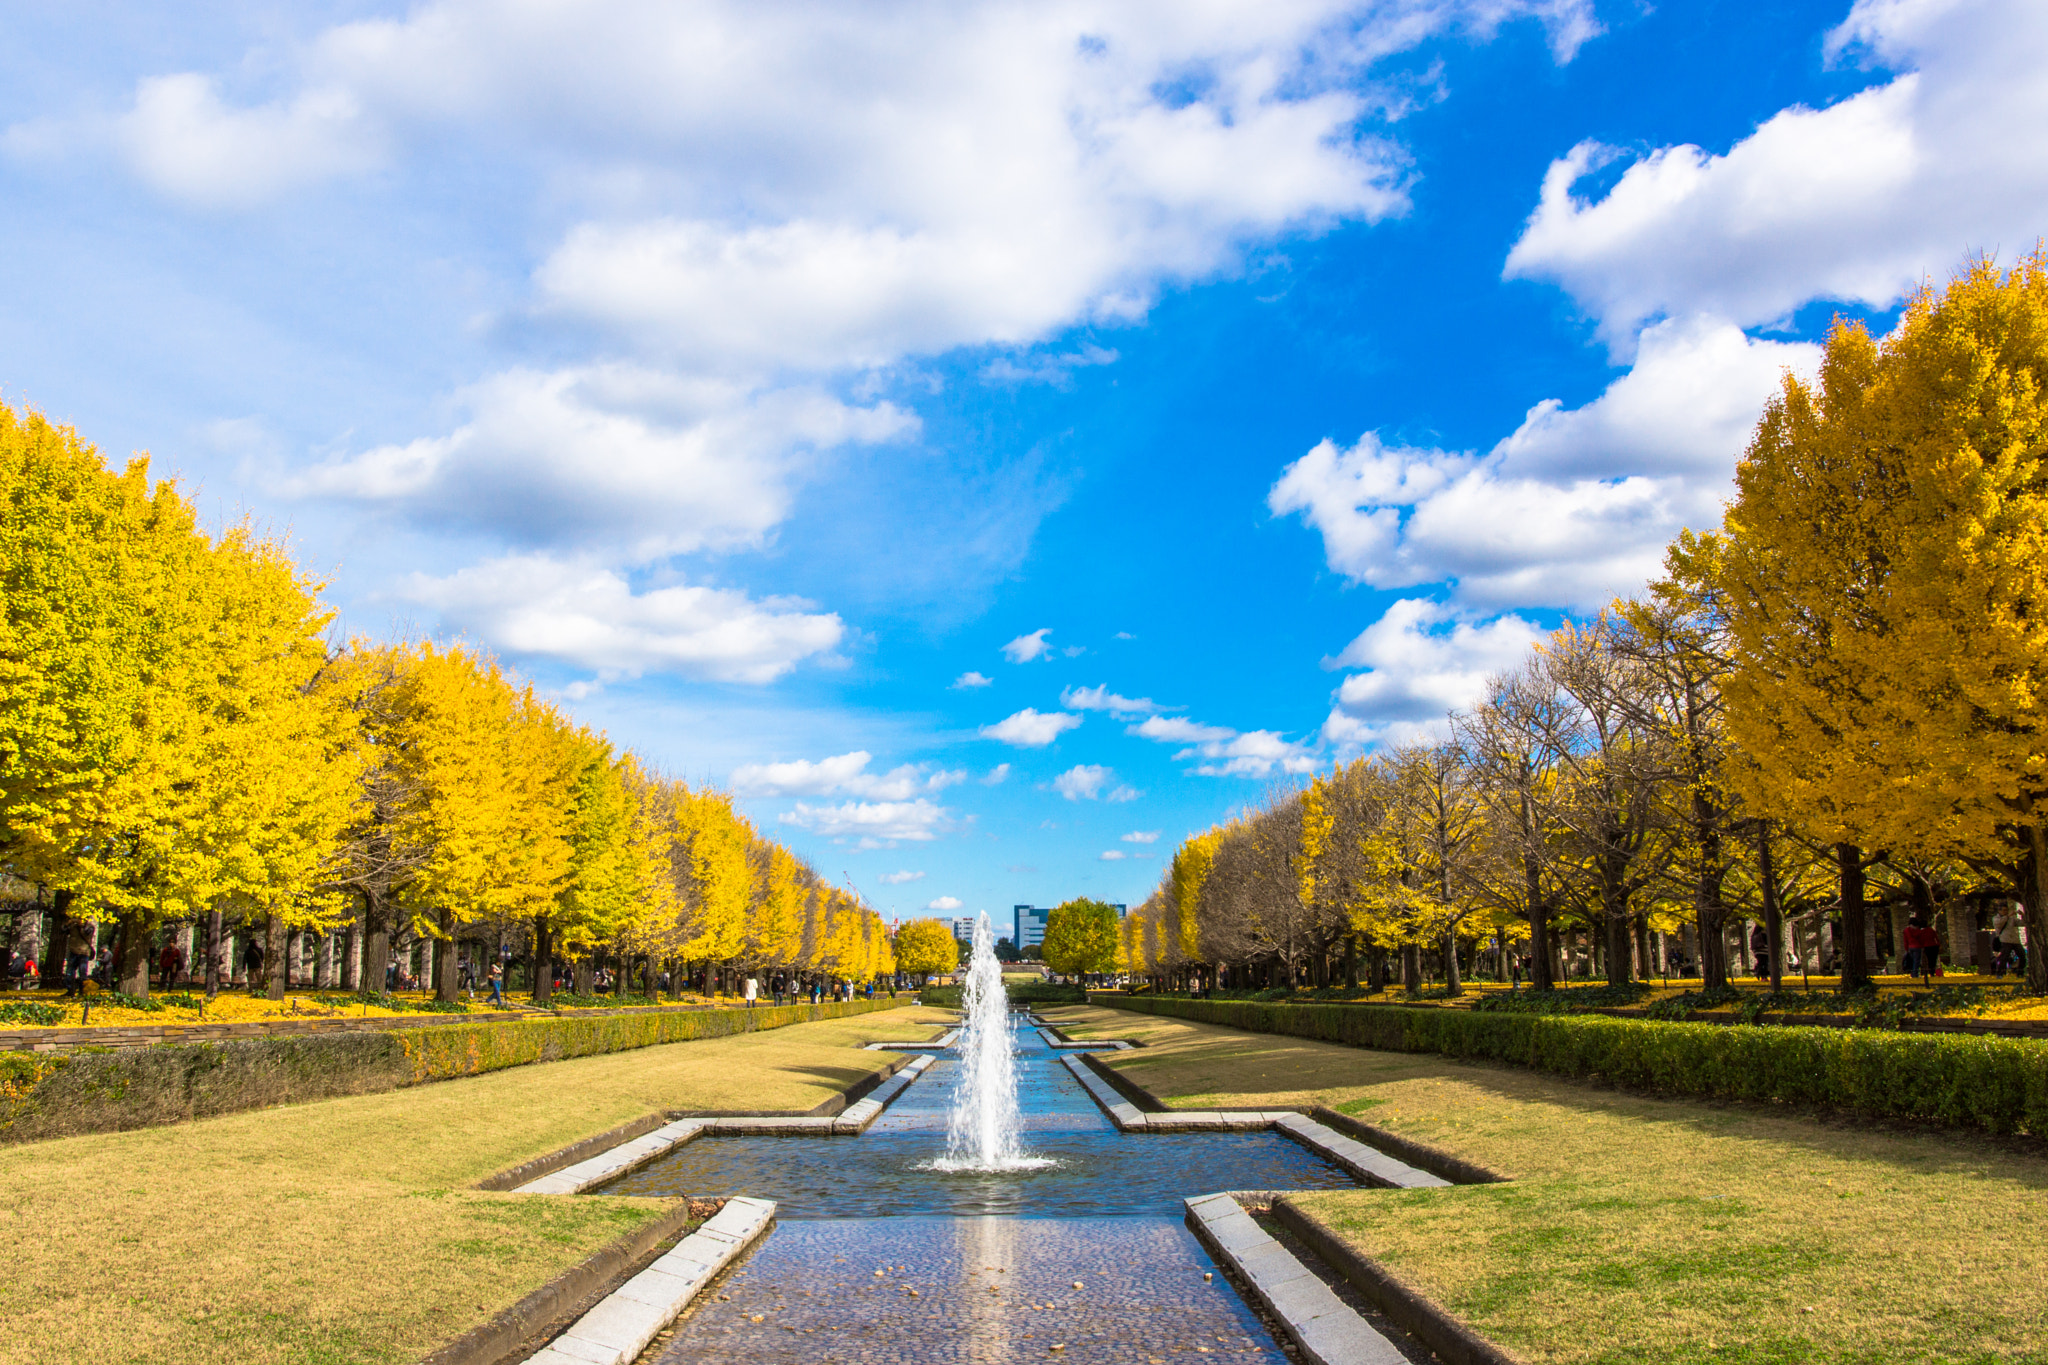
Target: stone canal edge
<point>606,1309</point>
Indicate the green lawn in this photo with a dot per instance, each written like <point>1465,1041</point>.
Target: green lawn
<point>345,1231</point>
<point>1644,1230</point>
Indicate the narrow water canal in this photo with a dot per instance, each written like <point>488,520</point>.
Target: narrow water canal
<point>877,1257</point>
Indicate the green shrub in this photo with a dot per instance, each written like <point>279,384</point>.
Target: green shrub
<point>30,1012</point>
<point>125,1001</point>
<point>1562,999</point>
<point>1996,1084</point>
<point>450,1050</point>
<point>45,1095</point>
<point>943,997</point>
<point>1046,993</point>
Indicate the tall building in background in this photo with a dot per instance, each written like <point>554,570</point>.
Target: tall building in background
<point>963,929</point>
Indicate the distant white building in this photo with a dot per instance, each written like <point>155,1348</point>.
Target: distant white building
<point>963,929</point>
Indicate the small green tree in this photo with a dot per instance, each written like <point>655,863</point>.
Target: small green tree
<point>1080,936</point>
<point>926,946</point>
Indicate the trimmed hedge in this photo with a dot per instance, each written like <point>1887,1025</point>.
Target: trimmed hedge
<point>1999,1085</point>
<point>451,1050</point>
<point>92,1090</point>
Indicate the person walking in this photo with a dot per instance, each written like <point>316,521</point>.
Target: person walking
<point>252,961</point>
<point>77,961</point>
<point>751,990</point>
<point>170,962</point>
<point>2009,940</point>
<point>497,983</point>
<point>1923,949</point>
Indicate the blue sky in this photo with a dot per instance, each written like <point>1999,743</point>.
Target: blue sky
<point>996,440</point>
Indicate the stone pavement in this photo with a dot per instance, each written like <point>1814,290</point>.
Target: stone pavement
<point>972,1291</point>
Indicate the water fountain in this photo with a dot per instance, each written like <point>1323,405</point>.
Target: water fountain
<point>982,1129</point>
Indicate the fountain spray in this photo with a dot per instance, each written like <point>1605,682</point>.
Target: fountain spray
<point>982,1130</point>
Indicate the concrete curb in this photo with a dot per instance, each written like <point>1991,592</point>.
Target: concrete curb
<point>944,1040</point>
<point>512,1177</point>
<point>626,1157</point>
<point>1055,1036</point>
<point>1322,1325</point>
<point>1449,1165</point>
<point>618,1329</point>
<point>500,1338</point>
<point>1369,1164</point>
<point>1453,1342</point>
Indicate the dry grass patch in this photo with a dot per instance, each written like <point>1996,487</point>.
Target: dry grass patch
<point>1647,1230</point>
<point>344,1230</point>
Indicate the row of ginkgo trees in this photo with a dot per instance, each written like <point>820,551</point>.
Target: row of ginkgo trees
<point>180,742</point>
<point>1835,704</point>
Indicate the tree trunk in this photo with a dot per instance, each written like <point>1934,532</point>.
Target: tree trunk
<point>60,934</point>
<point>1774,924</point>
<point>213,948</point>
<point>445,948</point>
<point>1411,966</point>
<point>1618,939</point>
<point>376,944</point>
<point>276,966</point>
<point>2034,888</point>
<point>1351,962</point>
<point>1855,956</point>
<point>1540,977</point>
<point>543,961</point>
<point>1712,917</point>
<point>28,932</point>
<point>1453,985</point>
<point>134,951</point>
<point>583,976</point>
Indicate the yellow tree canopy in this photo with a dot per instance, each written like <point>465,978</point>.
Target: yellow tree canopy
<point>926,947</point>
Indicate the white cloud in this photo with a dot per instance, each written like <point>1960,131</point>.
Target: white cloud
<point>1685,409</point>
<point>972,679</point>
<point>182,140</point>
<point>996,775</point>
<point>1142,836</point>
<point>1255,753</point>
<point>875,824</point>
<point>1029,729</point>
<point>1123,791</point>
<point>1084,781</point>
<point>1859,201</point>
<point>1102,699</point>
<point>1179,730</point>
<point>1575,506</point>
<point>1025,648</point>
<point>764,203</point>
<point>1056,370</point>
<point>619,456</point>
<point>843,773</point>
<point>1112,855</point>
<point>533,605</point>
<point>900,878</point>
<point>945,903</point>
<point>1421,660</point>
